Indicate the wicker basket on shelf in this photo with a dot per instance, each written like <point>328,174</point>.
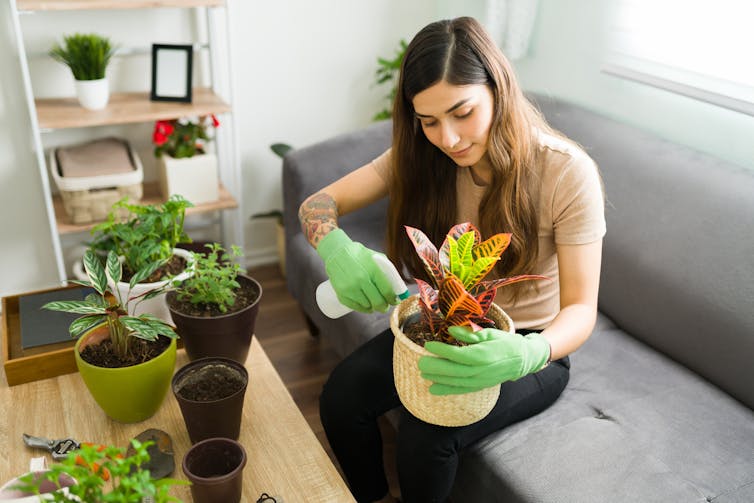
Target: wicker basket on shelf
<point>91,177</point>
<point>413,389</point>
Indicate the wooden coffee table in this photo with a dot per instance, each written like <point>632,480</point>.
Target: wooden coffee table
<point>285,459</point>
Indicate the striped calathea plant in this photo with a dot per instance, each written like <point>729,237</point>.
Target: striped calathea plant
<point>105,305</point>
<point>459,295</point>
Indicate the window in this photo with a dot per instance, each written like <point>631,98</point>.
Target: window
<point>699,48</point>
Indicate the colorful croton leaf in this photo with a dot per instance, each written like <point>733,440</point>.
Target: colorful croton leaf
<point>458,296</point>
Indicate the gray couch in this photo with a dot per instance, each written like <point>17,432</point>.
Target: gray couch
<point>659,406</point>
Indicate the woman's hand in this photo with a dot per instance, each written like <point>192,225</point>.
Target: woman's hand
<point>355,276</point>
<point>491,357</point>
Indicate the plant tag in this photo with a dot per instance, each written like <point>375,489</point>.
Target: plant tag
<point>38,464</point>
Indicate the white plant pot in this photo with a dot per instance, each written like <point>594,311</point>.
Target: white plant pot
<point>93,94</point>
<point>156,305</point>
<point>194,178</point>
<point>10,495</point>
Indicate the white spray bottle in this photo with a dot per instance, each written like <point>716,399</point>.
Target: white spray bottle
<point>327,299</point>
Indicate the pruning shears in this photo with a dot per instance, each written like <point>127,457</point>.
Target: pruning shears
<point>61,447</point>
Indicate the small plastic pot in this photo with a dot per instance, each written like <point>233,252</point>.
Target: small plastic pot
<point>208,417</point>
<point>228,335</point>
<point>215,468</point>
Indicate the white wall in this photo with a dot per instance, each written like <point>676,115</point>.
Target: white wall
<point>567,51</point>
<point>304,72</point>
<point>315,85</point>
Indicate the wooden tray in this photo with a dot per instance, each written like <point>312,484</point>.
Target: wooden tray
<point>31,364</point>
<point>24,365</point>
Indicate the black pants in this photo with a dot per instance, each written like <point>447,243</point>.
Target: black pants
<point>361,388</point>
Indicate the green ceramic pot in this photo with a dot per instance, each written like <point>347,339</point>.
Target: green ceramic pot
<point>128,394</point>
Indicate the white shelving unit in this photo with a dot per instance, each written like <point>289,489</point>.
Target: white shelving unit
<point>55,114</point>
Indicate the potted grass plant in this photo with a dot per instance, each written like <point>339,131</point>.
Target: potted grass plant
<point>106,473</point>
<point>456,296</point>
<point>126,361</point>
<point>87,55</point>
<point>215,309</point>
<point>142,235</point>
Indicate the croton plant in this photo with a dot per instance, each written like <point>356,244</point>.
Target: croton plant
<point>458,296</point>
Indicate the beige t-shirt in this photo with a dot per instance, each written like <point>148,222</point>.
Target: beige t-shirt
<point>571,212</point>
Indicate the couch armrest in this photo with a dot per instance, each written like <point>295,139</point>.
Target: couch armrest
<point>307,170</point>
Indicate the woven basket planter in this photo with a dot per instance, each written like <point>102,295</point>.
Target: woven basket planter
<point>413,389</point>
<point>86,206</point>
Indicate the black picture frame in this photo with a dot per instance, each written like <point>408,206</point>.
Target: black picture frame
<point>172,72</point>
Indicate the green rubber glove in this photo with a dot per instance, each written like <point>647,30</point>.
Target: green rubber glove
<point>492,357</point>
<point>355,277</point>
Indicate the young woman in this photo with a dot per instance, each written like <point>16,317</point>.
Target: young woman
<point>467,146</point>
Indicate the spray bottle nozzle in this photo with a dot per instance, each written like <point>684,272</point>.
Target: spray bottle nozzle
<point>327,299</point>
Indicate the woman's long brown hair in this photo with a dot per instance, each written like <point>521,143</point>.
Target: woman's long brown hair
<point>422,181</point>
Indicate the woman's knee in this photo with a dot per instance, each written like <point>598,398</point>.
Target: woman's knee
<point>364,379</point>
<point>419,443</point>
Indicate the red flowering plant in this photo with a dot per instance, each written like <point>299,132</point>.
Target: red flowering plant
<point>457,295</point>
<point>180,138</point>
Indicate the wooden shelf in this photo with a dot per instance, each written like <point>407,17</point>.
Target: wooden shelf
<point>125,108</point>
<point>151,196</point>
<point>42,5</point>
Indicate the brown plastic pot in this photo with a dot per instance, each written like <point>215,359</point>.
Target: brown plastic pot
<point>228,335</point>
<point>208,418</point>
<point>215,468</point>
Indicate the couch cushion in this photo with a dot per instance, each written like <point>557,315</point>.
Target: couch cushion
<point>632,424</point>
<point>678,271</point>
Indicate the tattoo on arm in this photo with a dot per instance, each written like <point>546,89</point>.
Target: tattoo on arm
<point>318,216</point>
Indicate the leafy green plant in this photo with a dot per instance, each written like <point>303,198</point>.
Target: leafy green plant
<point>105,475</point>
<point>387,73</point>
<point>87,55</point>
<point>280,149</point>
<point>107,305</point>
<point>214,280</point>
<point>147,235</point>
<point>458,296</point>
